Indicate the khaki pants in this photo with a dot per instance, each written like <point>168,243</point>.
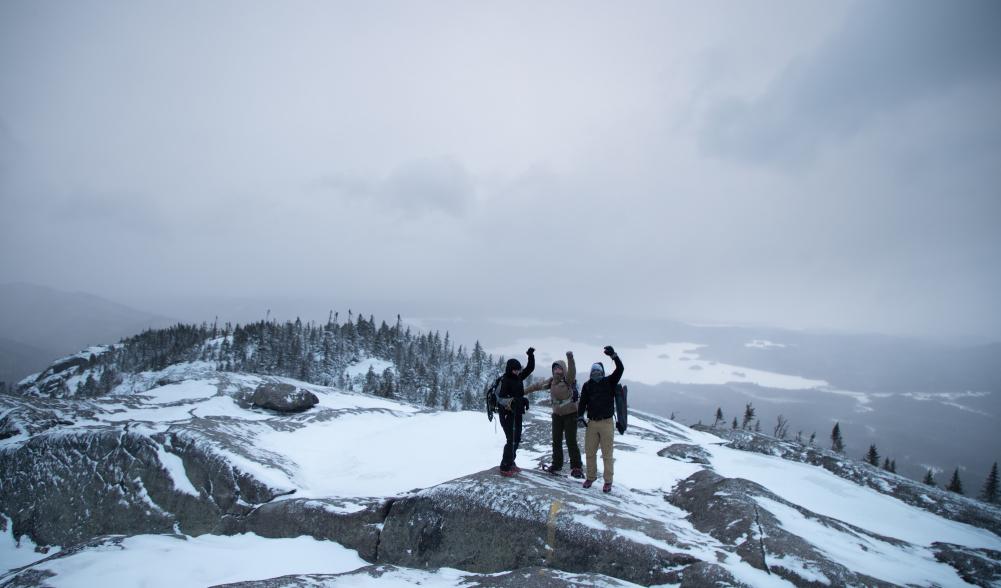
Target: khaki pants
<point>599,433</point>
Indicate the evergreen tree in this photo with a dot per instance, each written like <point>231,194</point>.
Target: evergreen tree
<point>872,457</point>
<point>748,416</point>
<point>929,478</point>
<point>719,416</point>
<point>886,463</point>
<point>893,466</point>
<point>781,427</point>
<point>371,385</point>
<point>837,443</point>
<point>955,485</point>
<point>813,437</point>
<point>757,425</point>
<point>990,491</point>
<point>734,425</point>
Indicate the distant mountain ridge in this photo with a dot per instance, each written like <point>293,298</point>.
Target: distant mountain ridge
<point>40,324</point>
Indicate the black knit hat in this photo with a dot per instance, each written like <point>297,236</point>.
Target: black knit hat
<point>512,365</point>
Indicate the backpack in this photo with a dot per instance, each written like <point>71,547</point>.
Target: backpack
<point>490,397</point>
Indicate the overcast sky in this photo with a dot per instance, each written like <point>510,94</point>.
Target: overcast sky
<point>801,164</point>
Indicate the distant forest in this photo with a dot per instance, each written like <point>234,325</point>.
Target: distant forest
<point>429,369</point>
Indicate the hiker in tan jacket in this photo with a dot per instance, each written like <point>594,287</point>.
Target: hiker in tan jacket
<point>562,388</point>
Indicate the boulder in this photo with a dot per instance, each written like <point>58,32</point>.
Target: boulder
<point>283,398</point>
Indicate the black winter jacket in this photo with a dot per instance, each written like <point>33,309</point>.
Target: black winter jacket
<point>513,386</point>
<point>597,399</point>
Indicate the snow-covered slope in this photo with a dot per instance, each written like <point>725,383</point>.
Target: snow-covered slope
<point>162,482</point>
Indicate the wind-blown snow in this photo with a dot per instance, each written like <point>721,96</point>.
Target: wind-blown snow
<point>879,559</point>
<point>820,491</point>
<point>14,553</point>
<point>383,453</point>
<point>189,390</point>
<point>154,561</point>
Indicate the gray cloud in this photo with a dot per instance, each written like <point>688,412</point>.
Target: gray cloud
<point>887,55</point>
<point>414,188</point>
<point>549,161</point>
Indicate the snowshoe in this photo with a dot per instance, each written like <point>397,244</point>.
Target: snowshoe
<point>577,473</point>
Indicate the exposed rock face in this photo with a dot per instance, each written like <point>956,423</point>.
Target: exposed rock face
<point>283,398</point>
<point>486,523</point>
<point>945,504</point>
<point>685,452</point>
<point>981,567</point>
<point>320,519</point>
<point>727,509</point>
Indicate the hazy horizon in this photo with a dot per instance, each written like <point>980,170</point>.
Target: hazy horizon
<point>644,160</point>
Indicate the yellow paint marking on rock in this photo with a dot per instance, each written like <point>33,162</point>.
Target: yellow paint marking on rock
<point>554,509</point>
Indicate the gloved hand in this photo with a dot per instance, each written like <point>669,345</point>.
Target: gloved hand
<point>569,353</point>
<point>621,428</point>
<point>531,351</point>
<point>609,351</point>
<point>582,422</point>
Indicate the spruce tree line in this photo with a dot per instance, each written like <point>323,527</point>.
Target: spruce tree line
<point>430,369</point>
<point>991,492</point>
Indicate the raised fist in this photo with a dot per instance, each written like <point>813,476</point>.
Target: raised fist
<point>569,353</point>
<point>609,351</point>
<point>531,351</point>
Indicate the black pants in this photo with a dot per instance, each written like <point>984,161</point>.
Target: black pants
<point>511,423</point>
<point>565,426</point>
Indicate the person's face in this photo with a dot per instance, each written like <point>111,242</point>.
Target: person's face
<point>517,372</point>
<point>557,371</point>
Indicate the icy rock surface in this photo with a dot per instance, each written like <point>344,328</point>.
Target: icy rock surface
<point>184,455</point>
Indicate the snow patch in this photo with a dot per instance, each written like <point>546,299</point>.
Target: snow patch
<point>175,469</point>
<point>154,561</point>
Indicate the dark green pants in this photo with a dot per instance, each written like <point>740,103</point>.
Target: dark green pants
<point>565,427</point>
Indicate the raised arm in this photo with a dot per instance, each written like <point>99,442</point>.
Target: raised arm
<point>571,368</point>
<point>531,365</point>
<point>540,385</point>
<point>617,374</point>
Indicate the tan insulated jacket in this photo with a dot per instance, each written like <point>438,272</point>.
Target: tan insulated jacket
<point>561,390</point>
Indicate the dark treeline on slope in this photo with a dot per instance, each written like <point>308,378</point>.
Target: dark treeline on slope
<point>429,369</point>
<point>991,492</point>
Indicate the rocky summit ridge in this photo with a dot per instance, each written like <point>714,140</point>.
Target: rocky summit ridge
<point>190,454</point>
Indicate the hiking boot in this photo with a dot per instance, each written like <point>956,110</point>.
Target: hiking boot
<point>576,473</point>
<point>587,483</point>
<point>554,470</point>
<point>607,487</point>
<point>508,473</point>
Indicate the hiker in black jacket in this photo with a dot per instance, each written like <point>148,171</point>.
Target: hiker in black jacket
<point>597,401</point>
<point>511,406</point>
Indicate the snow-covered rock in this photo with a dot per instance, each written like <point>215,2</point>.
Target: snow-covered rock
<point>283,397</point>
<point>178,458</point>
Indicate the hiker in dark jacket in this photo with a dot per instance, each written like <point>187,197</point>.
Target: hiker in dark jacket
<point>597,401</point>
<point>562,392</point>
<point>511,405</point>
